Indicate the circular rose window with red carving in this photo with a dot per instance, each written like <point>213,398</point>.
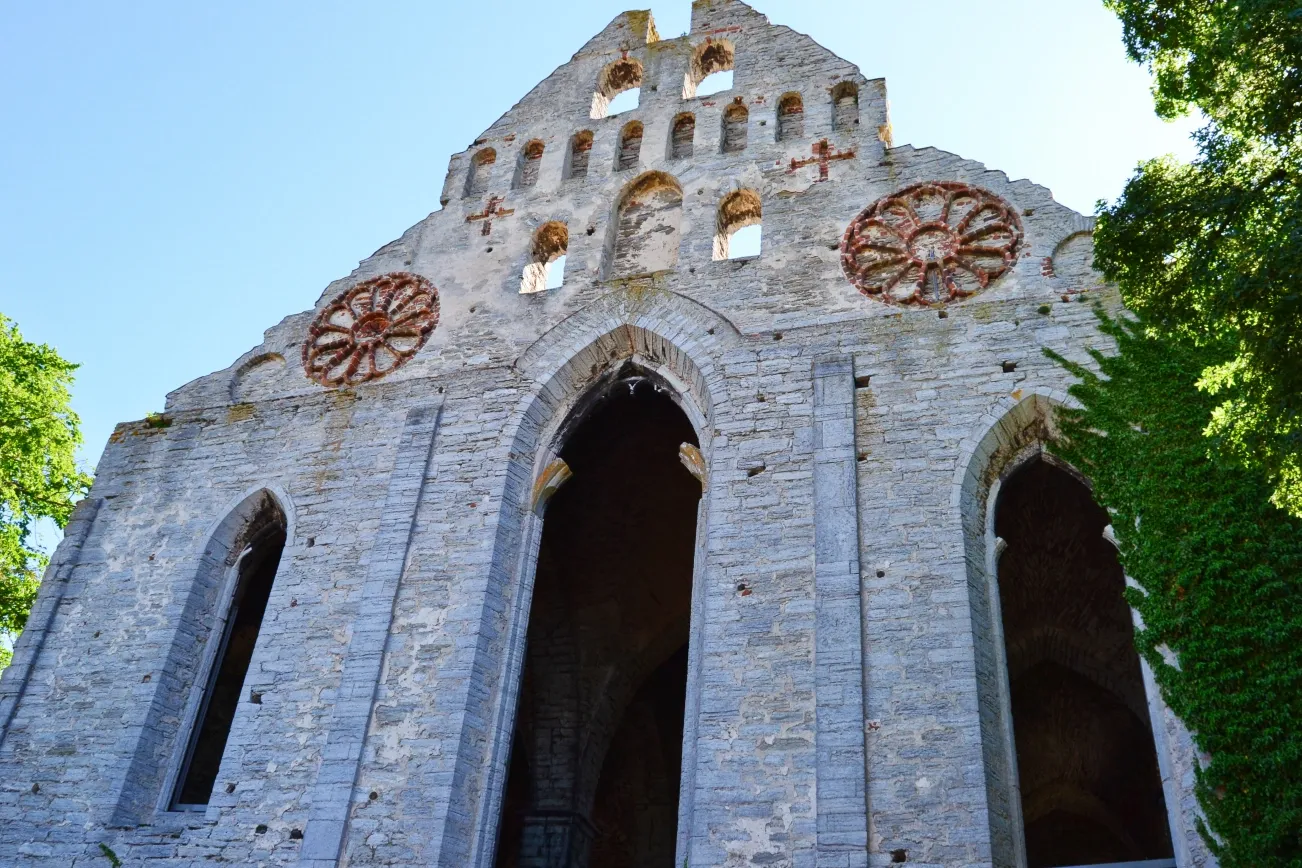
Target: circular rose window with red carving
<point>371,329</point>
<point>930,244</point>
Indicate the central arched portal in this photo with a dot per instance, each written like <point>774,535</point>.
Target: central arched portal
<point>596,758</point>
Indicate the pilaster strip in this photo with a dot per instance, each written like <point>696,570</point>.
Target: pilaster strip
<point>16,677</point>
<point>341,760</point>
<point>842,837</point>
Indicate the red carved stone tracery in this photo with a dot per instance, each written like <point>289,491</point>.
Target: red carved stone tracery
<point>930,243</point>
<point>371,329</point>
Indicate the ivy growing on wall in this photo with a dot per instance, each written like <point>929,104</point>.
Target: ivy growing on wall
<point>1220,575</point>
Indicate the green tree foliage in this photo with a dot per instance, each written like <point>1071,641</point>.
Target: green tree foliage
<point>1212,250</point>
<point>1218,566</point>
<point>38,473</point>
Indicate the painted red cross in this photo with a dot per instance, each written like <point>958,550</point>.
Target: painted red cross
<point>491,211</point>
<point>823,156</point>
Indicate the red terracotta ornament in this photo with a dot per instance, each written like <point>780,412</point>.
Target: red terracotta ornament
<point>930,244</point>
<point>370,330</point>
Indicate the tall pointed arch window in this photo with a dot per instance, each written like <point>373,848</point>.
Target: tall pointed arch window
<point>254,567</point>
<point>526,174</point>
<point>1086,764</point>
<point>481,168</point>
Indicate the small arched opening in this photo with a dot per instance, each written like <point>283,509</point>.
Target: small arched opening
<point>580,150</point>
<point>646,227</point>
<point>845,106</point>
<point>711,69</point>
<point>791,117</point>
<point>618,88</point>
<point>596,763</point>
<point>546,266</point>
<point>737,226</point>
<point>735,120</point>
<point>682,136</point>
<point>481,169</point>
<point>526,173</point>
<point>630,146</point>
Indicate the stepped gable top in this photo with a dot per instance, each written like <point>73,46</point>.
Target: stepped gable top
<point>558,202</point>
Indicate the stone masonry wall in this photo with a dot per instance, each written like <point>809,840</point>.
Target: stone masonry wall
<point>835,707</point>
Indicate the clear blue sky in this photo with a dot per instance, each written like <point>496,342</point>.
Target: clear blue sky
<point>177,177</point>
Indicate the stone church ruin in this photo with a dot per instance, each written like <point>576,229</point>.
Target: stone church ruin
<point>562,534</point>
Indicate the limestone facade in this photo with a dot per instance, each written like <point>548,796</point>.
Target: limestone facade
<point>859,391</point>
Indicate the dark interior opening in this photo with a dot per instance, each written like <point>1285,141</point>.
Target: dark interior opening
<point>240,634</point>
<point>1086,762</point>
<point>597,750</point>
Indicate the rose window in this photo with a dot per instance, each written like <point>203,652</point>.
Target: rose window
<point>930,244</point>
<point>371,329</point>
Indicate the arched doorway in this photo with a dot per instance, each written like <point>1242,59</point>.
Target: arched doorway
<point>596,759</point>
<point>1090,788</point>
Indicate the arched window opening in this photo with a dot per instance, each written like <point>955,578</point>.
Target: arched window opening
<point>737,226</point>
<point>646,227</point>
<point>735,120</point>
<point>580,149</point>
<point>596,758</point>
<point>622,76</point>
<point>624,101</point>
<point>481,167</point>
<point>530,160</point>
<point>711,69</point>
<point>1086,763</point>
<point>682,136</point>
<point>630,146</point>
<point>546,268</point>
<point>845,106</point>
<point>255,572</point>
<point>791,117</point>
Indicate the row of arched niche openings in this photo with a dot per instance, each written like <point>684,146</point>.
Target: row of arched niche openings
<point>646,234</point>
<point>254,536</point>
<point>619,84</point>
<point>733,136</point>
<point>1086,762</point>
<point>682,141</point>
<point>526,170</point>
